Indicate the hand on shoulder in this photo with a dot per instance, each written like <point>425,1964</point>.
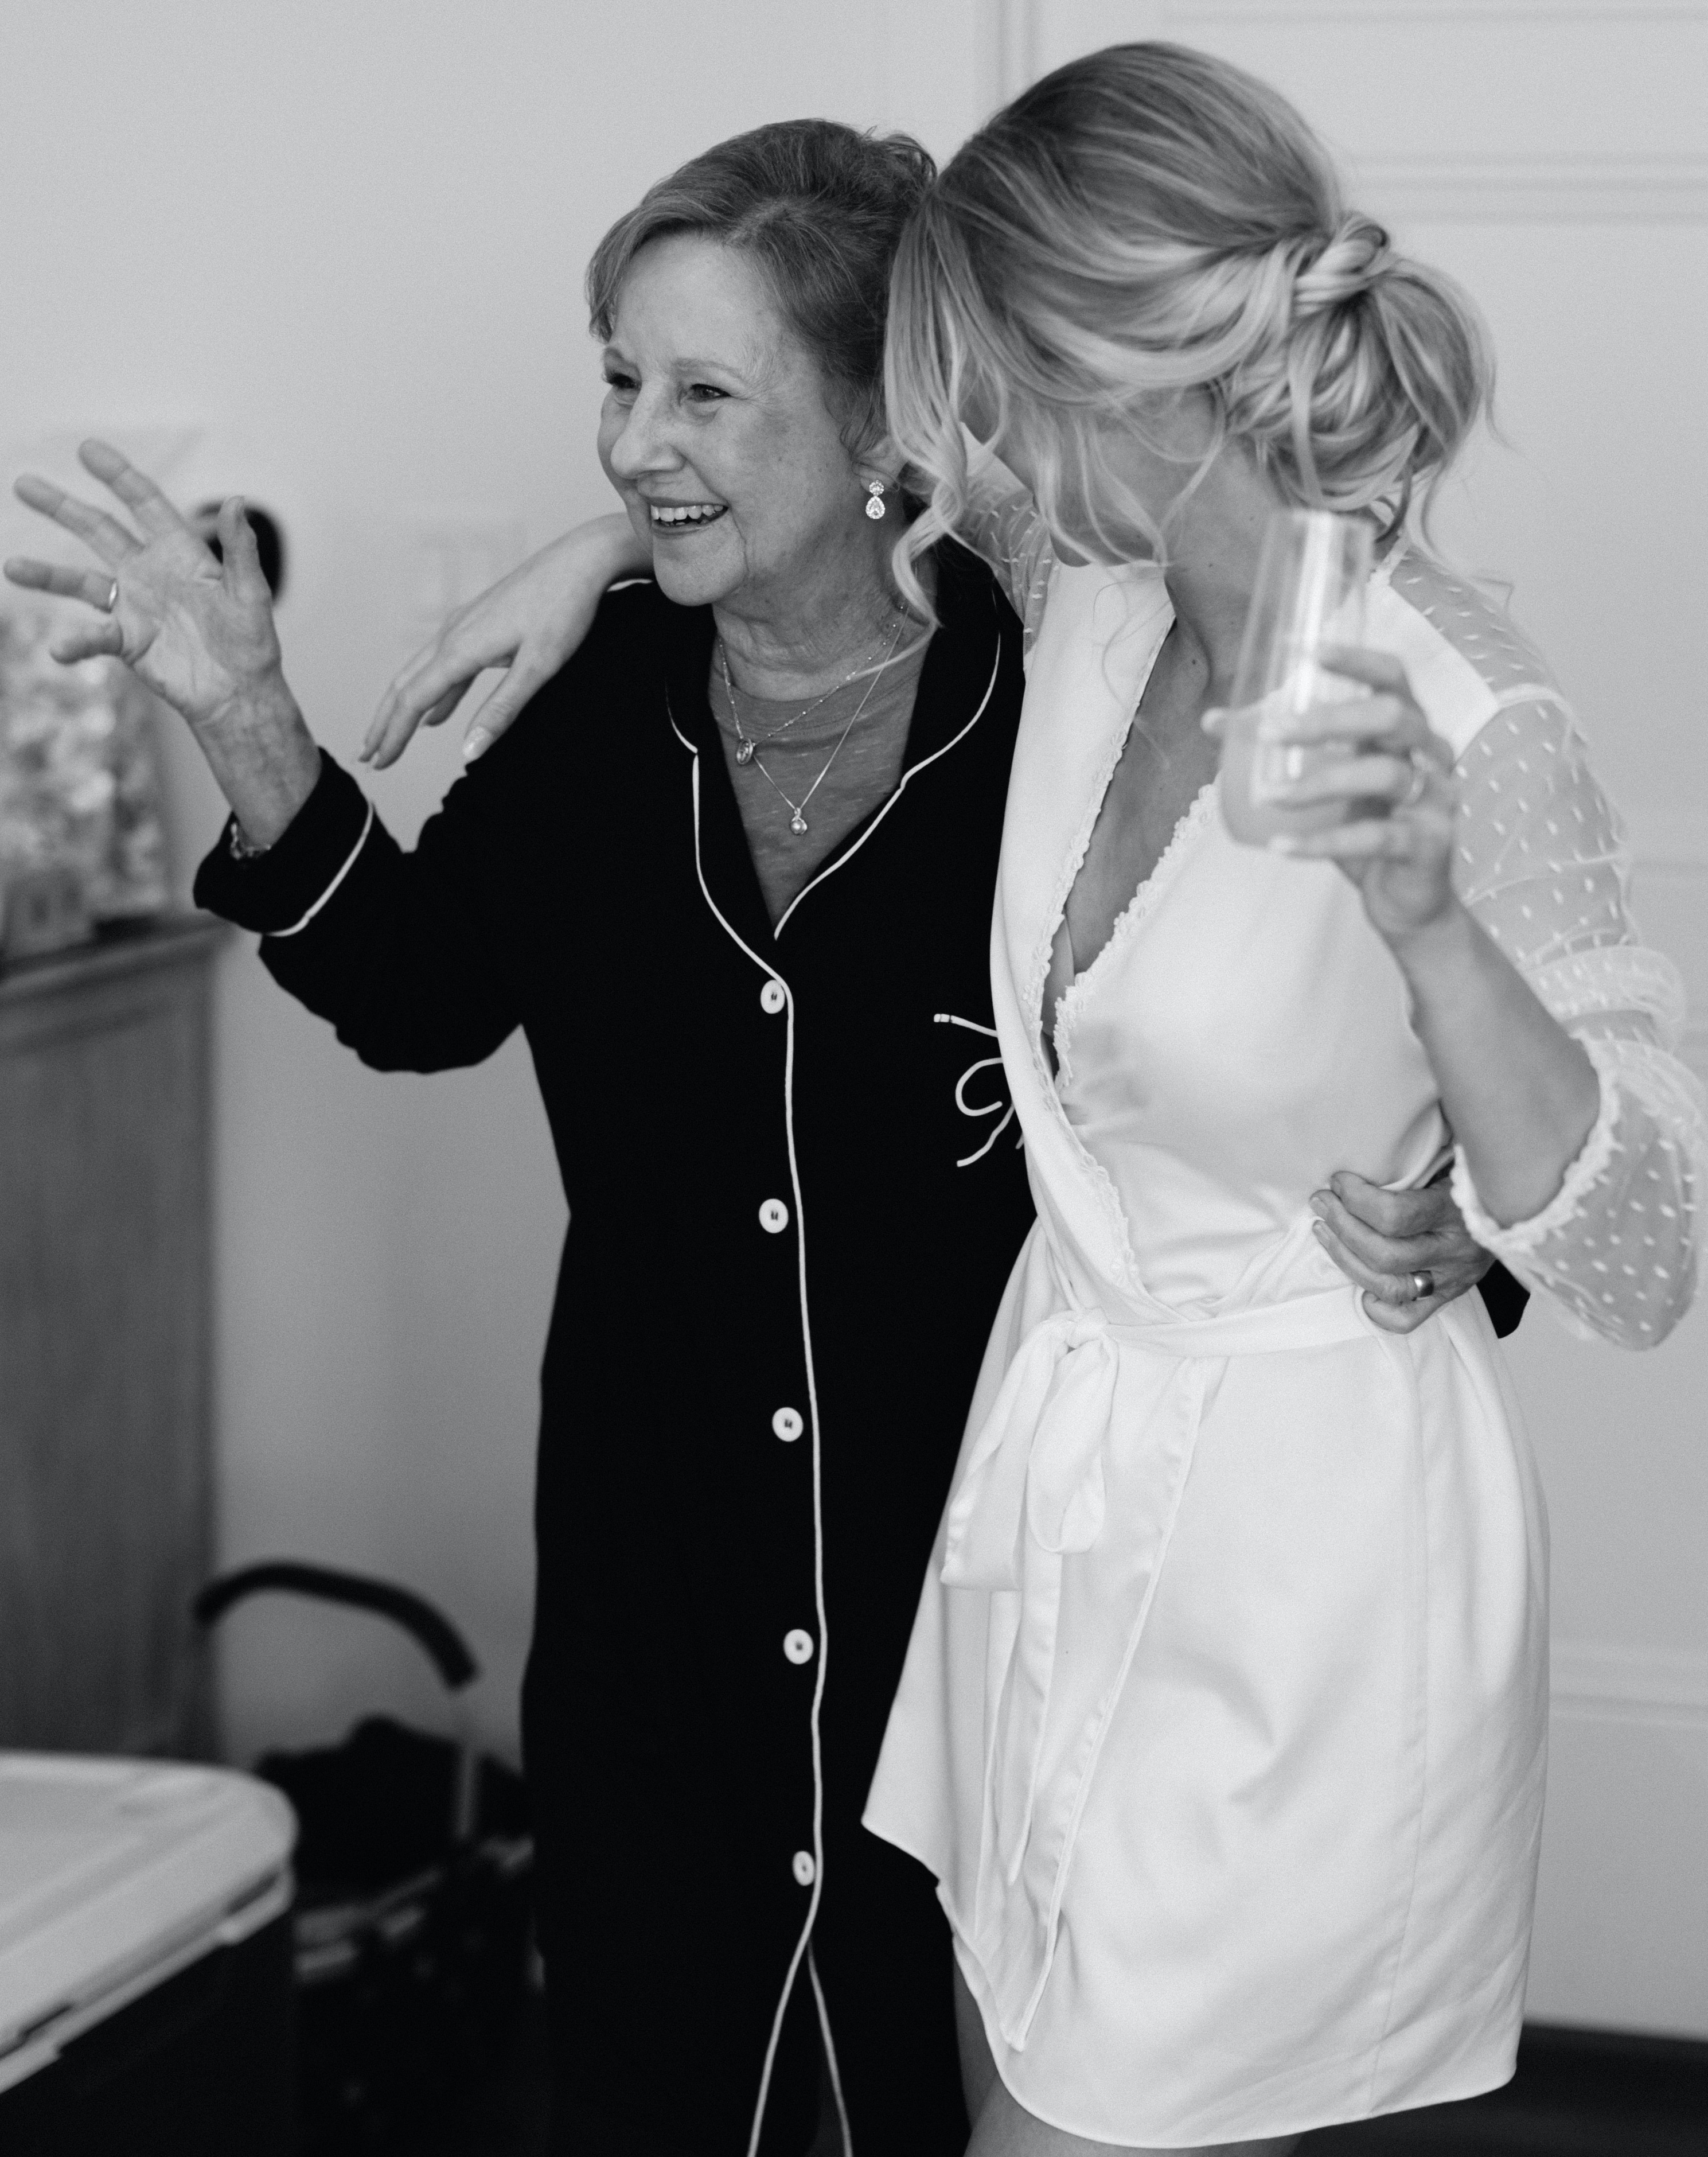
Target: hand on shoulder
<point>530,623</point>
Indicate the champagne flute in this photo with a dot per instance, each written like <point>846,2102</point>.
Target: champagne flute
<point>1310,593</point>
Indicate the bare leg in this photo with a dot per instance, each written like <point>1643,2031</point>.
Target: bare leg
<point>1001,2127</point>
<point>978,2070</point>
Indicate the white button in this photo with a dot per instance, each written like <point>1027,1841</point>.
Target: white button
<point>798,1646</point>
<point>773,1217</point>
<point>788,1424</point>
<point>805,1871</point>
<point>772,998</point>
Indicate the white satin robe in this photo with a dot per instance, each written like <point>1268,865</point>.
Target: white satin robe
<point>1224,1722</point>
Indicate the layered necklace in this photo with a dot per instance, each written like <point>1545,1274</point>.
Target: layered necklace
<point>749,745</point>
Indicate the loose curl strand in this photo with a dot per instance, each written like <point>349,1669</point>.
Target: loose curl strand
<point>1147,221</point>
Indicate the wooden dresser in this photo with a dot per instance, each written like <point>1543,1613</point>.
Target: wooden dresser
<point>105,1472</point>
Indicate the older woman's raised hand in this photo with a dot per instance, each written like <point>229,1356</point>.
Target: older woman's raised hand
<point>198,631</point>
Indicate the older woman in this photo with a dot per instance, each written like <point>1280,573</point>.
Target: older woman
<point>733,875</point>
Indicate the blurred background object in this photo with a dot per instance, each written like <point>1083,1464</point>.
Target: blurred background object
<point>145,1961</point>
<point>106,1292</point>
<point>269,540</point>
<point>412,1933</point>
<point>79,780</point>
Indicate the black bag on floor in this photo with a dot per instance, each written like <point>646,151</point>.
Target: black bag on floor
<point>413,1924</point>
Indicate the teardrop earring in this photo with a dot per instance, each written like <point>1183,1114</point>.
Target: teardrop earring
<point>874,499</point>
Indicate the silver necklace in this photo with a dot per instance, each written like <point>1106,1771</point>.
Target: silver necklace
<point>797,821</point>
<point>749,745</point>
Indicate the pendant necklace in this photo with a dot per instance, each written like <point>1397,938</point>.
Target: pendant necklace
<point>797,821</point>
<point>749,745</point>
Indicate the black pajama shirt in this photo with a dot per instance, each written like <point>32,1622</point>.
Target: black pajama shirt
<point>795,1199</point>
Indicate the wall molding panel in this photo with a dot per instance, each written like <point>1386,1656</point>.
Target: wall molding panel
<point>1538,190</point>
<point>1017,40</point>
<point>1180,14</point>
<point>1004,58</point>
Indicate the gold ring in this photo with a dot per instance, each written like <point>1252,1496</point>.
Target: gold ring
<point>112,597</point>
<point>1423,1285</point>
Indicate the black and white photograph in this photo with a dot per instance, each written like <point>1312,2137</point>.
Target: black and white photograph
<point>854,1078</point>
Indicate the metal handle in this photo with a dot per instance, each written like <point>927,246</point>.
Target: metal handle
<point>431,1629</point>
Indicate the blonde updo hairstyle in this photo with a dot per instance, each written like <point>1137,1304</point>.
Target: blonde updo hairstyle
<point>1146,220</point>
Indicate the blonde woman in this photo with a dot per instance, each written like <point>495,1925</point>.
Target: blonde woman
<point>1223,1725</point>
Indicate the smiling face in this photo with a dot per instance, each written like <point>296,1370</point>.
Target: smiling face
<point>717,433</point>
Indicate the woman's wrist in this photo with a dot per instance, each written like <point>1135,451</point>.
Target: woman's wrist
<point>262,755</point>
<point>1433,952</point>
<point>252,708</point>
<point>613,545</point>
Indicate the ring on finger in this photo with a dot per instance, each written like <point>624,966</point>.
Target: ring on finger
<point>1420,780</point>
<point>1423,1285</point>
<point>112,598</point>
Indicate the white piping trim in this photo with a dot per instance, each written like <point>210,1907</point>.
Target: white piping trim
<point>912,772</point>
<point>830,2045</point>
<point>350,862</point>
<point>968,1159</point>
<point>991,1108</point>
<point>803,1945</point>
<point>972,1026</point>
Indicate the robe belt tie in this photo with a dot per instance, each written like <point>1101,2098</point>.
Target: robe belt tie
<point>1033,1489</point>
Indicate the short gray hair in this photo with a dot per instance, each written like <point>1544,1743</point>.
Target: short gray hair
<point>819,209</point>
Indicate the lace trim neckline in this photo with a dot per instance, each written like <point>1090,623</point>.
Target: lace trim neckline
<point>1144,901</point>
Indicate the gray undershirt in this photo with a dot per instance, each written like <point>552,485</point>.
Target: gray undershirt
<point>864,773</point>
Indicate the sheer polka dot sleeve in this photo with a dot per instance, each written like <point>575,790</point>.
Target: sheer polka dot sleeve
<point>1003,528</point>
<point>1543,867</point>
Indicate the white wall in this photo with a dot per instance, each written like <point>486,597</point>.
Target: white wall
<point>332,254</point>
